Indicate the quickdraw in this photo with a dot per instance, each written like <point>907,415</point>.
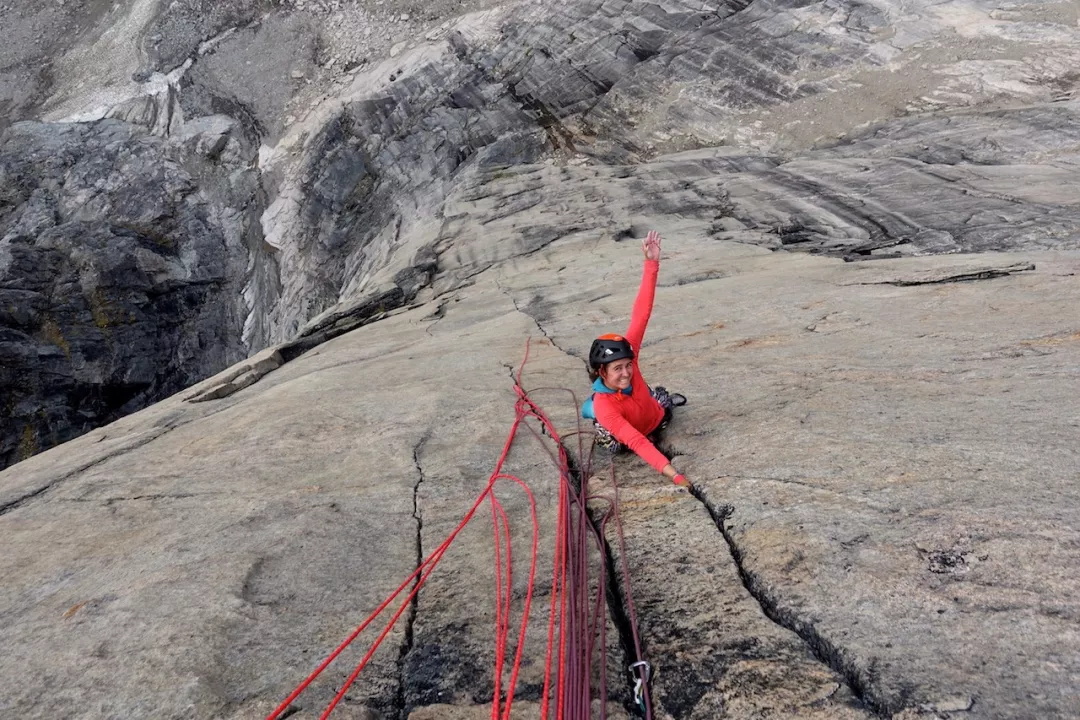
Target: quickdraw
<point>640,681</point>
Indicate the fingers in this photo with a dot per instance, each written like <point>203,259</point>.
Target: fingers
<point>651,245</point>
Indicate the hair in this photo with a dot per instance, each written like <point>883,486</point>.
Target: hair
<point>594,370</point>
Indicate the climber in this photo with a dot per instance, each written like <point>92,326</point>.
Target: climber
<point>625,411</point>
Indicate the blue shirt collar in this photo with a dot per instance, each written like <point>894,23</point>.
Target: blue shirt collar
<point>599,386</point>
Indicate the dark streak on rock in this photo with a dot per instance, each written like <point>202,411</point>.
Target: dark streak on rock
<point>616,603</point>
<point>20,501</point>
<point>536,321</point>
<point>987,274</point>
<point>165,426</point>
<point>691,279</point>
<point>245,588</point>
<point>161,496</point>
<point>289,712</point>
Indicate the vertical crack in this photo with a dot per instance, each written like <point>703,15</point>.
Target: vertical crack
<point>613,594</point>
<point>400,702</point>
<point>616,604</point>
<point>860,680</point>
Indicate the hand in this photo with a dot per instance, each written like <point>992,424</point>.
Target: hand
<point>651,245</point>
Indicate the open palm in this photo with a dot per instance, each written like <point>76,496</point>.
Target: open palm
<point>651,245</point>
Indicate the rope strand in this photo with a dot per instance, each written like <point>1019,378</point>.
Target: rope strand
<point>577,622</point>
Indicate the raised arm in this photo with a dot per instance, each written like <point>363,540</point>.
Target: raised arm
<point>643,303</point>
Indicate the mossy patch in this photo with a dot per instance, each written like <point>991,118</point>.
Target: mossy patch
<point>101,310</point>
<point>50,330</point>
<point>28,443</point>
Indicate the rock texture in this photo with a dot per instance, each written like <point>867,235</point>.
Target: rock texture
<point>871,533</point>
<point>367,116</point>
<point>120,259</point>
<point>117,274</point>
<point>387,201</point>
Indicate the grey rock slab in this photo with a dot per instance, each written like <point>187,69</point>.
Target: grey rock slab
<point>876,453</point>
<point>870,449</point>
<point>842,519</point>
<point>950,449</point>
<point>713,651</point>
<point>311,517</point>
<point>281,487</point>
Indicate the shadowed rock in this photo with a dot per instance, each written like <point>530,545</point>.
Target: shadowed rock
<point>117,276</point>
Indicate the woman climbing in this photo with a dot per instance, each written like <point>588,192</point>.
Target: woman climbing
<point>626,412</point>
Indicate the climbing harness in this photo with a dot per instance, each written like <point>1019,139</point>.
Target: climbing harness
<point>576,629</point>
<point>603,438</point>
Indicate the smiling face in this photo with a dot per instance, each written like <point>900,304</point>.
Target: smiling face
<point>617,375</point>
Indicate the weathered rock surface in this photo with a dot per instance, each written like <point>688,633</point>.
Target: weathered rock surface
<point>389,201</point>
<point>367,116</point>
<point>117,274</point>
<point>895,494</point>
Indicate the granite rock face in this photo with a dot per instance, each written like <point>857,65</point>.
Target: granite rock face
<point>345,127</point>
<point>880,525</point>
<point>381,204</point>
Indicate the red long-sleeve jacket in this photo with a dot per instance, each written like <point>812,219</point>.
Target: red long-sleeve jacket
<point>632,414</point>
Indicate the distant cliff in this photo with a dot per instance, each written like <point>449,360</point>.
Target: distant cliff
<point>266,162</point>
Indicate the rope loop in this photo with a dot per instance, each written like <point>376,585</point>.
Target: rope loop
<point>577,621</point>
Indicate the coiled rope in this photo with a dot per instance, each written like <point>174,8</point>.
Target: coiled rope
<point>576,631</point>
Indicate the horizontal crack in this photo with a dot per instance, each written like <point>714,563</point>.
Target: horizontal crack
<point>970,276</point>
<point>18,502</point>
<point>163,429</point>
<point>161,496</point>
<point>22,500</point>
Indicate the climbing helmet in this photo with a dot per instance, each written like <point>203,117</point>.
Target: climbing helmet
<point>609,348</point>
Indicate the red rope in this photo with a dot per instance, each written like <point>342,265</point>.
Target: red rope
<point>575,622</point>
